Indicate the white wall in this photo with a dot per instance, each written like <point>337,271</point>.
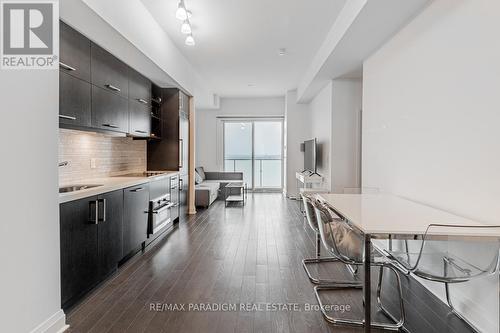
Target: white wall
<point>29,228</point>
<point>207,145</point>
<point>320,113</point>
<point>345,169</point>
<point>297,130</point>
<point>430,123</point>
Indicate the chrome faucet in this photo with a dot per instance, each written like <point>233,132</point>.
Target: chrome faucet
<point>61,164</point>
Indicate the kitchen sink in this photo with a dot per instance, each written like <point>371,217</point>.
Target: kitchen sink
<point>73,188</point>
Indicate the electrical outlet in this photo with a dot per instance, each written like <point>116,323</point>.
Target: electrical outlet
<point>93,163</point>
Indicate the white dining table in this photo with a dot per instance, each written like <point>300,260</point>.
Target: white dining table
<point>383,215</point>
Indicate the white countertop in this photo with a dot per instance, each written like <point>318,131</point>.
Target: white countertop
<point>108,184</point>
<point>389,214</point>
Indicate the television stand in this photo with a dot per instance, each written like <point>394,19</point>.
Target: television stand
<point>307,181</point>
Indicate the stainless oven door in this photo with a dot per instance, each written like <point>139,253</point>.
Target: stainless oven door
<point>160,218</point>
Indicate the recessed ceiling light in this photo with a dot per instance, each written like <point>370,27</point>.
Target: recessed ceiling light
<point>282,51</point>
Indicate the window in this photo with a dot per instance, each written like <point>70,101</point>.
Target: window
<point>255,148</point>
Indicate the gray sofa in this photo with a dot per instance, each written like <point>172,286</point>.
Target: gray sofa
<point>211,184</point>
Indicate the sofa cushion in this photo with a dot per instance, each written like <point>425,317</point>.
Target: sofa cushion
<point>223,181</point>
<point>211,186</point>
<point>197,178</point>
<point>201,172</point>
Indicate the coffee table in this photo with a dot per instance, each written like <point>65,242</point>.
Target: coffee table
<point>230,196</point>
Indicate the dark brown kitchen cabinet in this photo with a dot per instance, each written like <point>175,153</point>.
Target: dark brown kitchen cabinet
<point>74,52</point>
<point>139,88</point>
<point>139,119</point>
<point>90,243</point>
<point>108,72</point>
<point>110,207</point>
<point>74,101</point>
<point>109,111</point>
<point>135,218</point>
<point>79,251</point>
<point>172,151</point>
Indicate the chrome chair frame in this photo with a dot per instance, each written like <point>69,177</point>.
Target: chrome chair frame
<point>447,262</point>
<point>384,263</point>
<point>307,202</point>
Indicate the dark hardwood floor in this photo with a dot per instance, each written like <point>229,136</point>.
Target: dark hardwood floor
<point>250,255</point>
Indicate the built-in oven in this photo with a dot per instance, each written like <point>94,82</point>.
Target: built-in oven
<point>160,218</point>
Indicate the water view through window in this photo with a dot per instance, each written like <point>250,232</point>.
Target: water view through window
<point>255,148</point>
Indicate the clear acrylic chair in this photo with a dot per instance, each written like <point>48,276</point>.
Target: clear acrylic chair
<point>445,255</point>
<point>311,219</point>
<point>346,243</point>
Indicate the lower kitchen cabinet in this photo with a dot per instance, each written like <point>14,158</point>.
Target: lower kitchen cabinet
<point>79,251</point>
<point>135,218</point>
<point>110,231</point>
<point>91,243</point>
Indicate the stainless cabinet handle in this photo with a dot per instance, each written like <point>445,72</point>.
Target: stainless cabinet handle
<point>139,131</point>
<point>67,67</point>
<point>112,87</point>
<point>137,189</point>
<point>103,218</point>
<point>143,101</point>
<point>62,116</point>
<point>181,153</point>
<point>94,219</point>
<point>111,125</point>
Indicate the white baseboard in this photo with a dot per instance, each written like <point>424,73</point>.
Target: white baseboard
<point>54,324</point>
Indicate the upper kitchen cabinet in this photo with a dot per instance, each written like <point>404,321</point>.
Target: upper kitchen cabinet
<point>74,53</point>
<point>139,119</point>
<point>108,72</point>
<point>139,105</point>
<point>109,111</point>
<point>74,78</point>
<point>74,101</point>
<point>139,88</point>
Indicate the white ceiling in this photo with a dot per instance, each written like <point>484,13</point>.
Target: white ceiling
<point>238,41</point>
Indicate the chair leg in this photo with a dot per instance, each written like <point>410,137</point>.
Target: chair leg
<point>318,260</point>
<point>450,304</point>
<point>401,302</point>
<point>357,322</point>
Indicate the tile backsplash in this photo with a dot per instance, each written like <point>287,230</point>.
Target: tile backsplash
<point>112,155</point>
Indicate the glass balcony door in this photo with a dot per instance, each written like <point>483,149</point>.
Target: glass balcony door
<point>238,148</point>
<point>255,148</point>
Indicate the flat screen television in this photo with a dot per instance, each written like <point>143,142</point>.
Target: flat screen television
<point>310,157</point>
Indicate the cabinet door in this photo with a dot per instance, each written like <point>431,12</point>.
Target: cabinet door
<point>139,88</point>
<point>109,111</point>
<point>74,52</point>
<point>74,101</point>
<point>159,187</point>
<point>108,72</point>
<point>135,217</point>
<point>79,254</point>
<point>110,231</point>
<point>140,118</point>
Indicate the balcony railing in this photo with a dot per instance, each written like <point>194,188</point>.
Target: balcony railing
<point>266,171</point>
